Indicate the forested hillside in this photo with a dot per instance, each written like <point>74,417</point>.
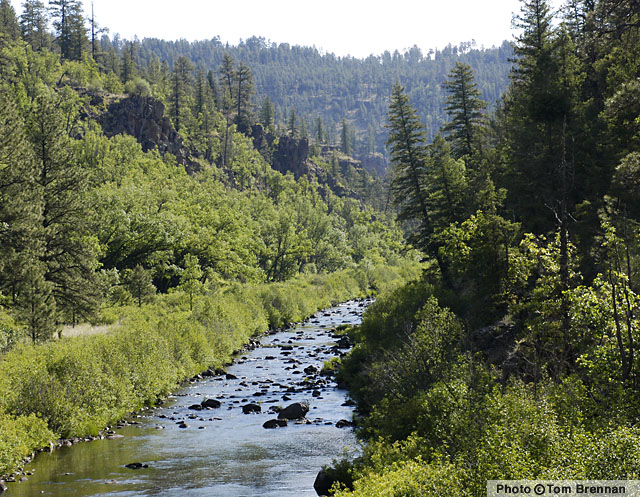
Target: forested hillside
<point>515,356</point>
<point>333,89</point>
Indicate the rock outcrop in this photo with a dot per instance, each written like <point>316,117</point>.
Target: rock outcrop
<point>375,164</point>
<point>287,154</point>
<point>144,119</point>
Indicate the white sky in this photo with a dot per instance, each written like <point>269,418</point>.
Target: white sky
<point>344,27</point>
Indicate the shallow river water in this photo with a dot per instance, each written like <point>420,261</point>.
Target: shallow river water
<point>222,452</point>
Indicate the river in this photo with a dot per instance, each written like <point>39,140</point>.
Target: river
<point>222,452</point>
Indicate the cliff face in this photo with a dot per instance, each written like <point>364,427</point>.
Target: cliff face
<point>375,164</point>
<point>292,155</point>
<point>144,119</point>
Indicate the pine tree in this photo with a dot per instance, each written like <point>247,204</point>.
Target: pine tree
<point>180,84</point>
<point>345,138</point>
<point>371,141</point>
<point>68,250</point>
<point>8,20</point>
<point>244,90</point>
<point>140,283</point>
<point>465,110</point>
<point>320,133</point>
<point>191,277</point>
<point>21,270</point>
<point>293,124</point>
<point>447,185</point>
<point>68,23</point>
<point>33,24</point>
<point>211,78</point>
<point>36,303</point>
<point>410,161</point>
<point>227,77</point>
<point>266,114</point>
<point>128,63</point>
<point>304,132</point>
<point>96,30</point>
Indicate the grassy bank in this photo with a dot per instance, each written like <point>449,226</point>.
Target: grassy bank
<point>77,386</point>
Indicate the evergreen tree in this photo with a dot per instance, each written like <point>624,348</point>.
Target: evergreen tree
<point>410,161</point>
<point>33,24</point>
<point>8,20</point>
<point>293,124</point>
<point>227,77</point>
<point>244,90</point>
<point>304,133</point>
<point>205,112</point>
<point>446,184</point>
<point>68,249</point>
<point>200,93</point>
<point>21,270</point>
<point>371,141</point>
<point>537,109</point>
<point>128,63</point>
<point>320,133</point>
<point>96,30</point>
<point>345,138</point>
<point>36,303</point>
<point>266,114</point>
<point>180,84</point>
<point>191,277</point>
<point>213,85</point>
<point>465,110</point>
<point>140,284</point>
<point>68,23</point>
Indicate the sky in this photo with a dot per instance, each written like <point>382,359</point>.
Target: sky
<point>343,27</point>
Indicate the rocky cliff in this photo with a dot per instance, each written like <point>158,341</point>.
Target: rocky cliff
<point>287,154</point>
<point>144,119</point>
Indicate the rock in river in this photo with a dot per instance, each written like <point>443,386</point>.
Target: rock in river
<point>296,410</point>
<point>211,403</point>
<point>251,408</point>
<point>323,483</point>
<point>275,423</point>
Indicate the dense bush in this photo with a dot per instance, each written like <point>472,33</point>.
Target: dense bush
<point>19,437</point>
<point>77,386</point>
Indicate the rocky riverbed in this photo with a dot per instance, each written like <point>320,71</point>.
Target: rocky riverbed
<point>264,427</point>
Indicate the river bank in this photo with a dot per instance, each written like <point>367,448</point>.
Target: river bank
<point>184,450</point>
<point>76,387</point>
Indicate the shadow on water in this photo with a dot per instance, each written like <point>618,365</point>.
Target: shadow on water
<point>222,452</point>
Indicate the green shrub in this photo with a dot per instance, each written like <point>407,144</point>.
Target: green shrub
<point>19,437</point>
<point>412,479</point>
<point>77,386</point>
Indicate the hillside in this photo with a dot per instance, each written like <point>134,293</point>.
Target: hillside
<point>334,88</point>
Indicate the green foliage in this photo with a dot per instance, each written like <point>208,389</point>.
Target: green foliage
<point>137,87</point>
<point>412,479</point>
<point>20,437</point>
<point>465,110</point>
<point>140,284</point>
<point>79,385</point>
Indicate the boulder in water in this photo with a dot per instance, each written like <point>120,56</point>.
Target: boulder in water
<point>251,408</point>
<point>296,410</point>
<point>275,423</point>
<point>211,403</point>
